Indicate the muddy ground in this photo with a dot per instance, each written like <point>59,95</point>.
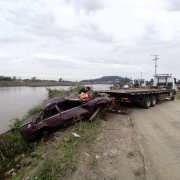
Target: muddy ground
<point>142,145</point>
<point>115,153</point>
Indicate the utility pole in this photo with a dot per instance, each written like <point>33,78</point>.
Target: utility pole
<point>141,75</point>
<point>155,59</point>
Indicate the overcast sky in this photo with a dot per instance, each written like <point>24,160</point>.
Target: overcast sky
<point>87,39</point>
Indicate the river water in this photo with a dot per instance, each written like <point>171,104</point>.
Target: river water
<point>16,101</point>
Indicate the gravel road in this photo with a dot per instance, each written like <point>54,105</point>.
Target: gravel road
<point>158,136</point>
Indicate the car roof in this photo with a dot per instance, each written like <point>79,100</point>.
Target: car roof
<point>65,97</point>
<point>52,101</point>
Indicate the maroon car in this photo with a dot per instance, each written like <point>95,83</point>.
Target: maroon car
<point>59,112</point>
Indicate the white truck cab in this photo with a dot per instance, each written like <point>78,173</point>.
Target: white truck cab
<point>165,80</point>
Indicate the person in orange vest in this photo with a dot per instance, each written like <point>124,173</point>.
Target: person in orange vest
<point>83,93</point>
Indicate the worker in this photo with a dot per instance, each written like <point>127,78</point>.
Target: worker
<point>83,93</point>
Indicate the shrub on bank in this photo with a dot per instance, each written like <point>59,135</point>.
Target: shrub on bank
<point>11,142</point>
<point>73,89</point>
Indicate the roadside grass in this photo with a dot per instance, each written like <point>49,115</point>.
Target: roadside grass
<point>178,94</point>
<point>64,157</point>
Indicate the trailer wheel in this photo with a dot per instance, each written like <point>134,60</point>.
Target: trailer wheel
<point>153,101</point>
<point>147,102</point>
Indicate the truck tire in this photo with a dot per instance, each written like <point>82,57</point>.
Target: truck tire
<point>147,102</point>
<point>153,101</point>
<point>172,98</point>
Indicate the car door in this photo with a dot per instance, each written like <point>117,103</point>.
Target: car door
<point>52,117</point>
<point>72,114</point>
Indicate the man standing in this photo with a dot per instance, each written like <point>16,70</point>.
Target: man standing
<point>83,93</point>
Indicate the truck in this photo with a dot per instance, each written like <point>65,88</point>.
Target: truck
<point>164,87</point>
<point>140,83</point>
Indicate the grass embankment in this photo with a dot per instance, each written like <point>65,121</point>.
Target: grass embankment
<point>64,156</point>
<point>178,94</point>
<point>11,142</point>
<point>36,83</point>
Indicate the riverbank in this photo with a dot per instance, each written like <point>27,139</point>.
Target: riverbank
<point>36,84</point>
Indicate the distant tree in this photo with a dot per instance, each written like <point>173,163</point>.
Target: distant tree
<point>1,78</point>
<point>14,78</point>
<point>33,78</point>
<point>60,79</point>
<point>7,78</point>
<point>124,81</point>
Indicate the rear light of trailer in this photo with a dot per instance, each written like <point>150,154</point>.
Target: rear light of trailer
<point>113,98</point>
<point>125,99</point>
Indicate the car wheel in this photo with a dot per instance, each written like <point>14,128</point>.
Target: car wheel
<point>153,101</point>
<point>147,102</point>
<point>45,132</point>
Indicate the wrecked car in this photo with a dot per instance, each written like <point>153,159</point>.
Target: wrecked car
<point>59,112</point>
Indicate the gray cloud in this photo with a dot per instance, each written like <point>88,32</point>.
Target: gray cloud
<point>87,5</point>
<point>93,38</point>
<point>173,5</point>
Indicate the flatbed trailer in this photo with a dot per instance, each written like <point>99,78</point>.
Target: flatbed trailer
<point>145,97</point>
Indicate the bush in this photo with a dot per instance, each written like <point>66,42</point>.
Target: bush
<point>73,89</point>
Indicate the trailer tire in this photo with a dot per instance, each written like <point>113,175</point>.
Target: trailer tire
<point>153,101</point>
<point>147,102</point>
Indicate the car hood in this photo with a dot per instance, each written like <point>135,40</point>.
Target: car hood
<point>28,120</point>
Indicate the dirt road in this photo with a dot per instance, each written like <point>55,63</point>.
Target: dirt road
<point>158,135</point>
<point>144,145</point>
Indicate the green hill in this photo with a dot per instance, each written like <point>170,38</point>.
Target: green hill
<point>104,79</point>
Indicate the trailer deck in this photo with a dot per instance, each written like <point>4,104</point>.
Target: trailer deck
<point>135,91</point>
<point>145,97</point>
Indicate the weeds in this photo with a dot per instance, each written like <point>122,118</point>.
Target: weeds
<point>11,142</point>
<point>138,172</point>
<point>178,94</point>
<point>55,92</point>
<point>73,89</point>
<point>65,161</point>
<point>131,153</point>
<point>33,110</point>
<point>93,163</point>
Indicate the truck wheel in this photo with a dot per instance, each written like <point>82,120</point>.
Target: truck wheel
<point>153,101</point>
<point>172,98</point>
<point>147,102</point>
